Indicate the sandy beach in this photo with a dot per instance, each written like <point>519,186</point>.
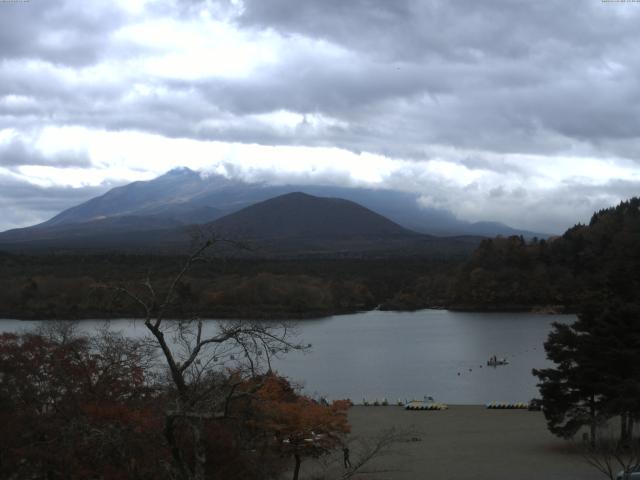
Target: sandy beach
<point>468,443</point>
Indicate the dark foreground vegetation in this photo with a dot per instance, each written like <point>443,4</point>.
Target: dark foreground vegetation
<point>74,407</point>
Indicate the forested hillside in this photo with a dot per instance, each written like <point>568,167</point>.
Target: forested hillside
<point>586,263</point>
<point>589,263</point>
<point>83,286</point>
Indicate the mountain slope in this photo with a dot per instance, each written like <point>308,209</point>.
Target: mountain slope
<point>184,196</point>
<point>298,215</point>
<point>173,190</point>
<point>294,224</point>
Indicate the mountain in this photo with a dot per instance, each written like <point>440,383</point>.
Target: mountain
<point>184,196</point>
<point>295,224</point>
<point>169,196</point>
<point>159,211</point>
<point>299,215</point>
<point>304,225</point>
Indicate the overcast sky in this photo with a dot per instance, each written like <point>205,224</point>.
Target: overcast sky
<point>522,111</point>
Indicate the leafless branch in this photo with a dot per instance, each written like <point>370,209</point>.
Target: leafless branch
<point>608,456</point>
<point>201,393</point>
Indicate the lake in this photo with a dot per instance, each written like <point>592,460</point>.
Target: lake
<point>405,355</point>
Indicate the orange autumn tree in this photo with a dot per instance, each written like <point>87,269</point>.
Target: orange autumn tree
<point>298,426</point>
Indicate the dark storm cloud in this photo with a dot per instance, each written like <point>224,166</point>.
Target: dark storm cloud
<point>570,203</point>
<point>65,32</point>
<point>23,204</point>
<point>466,30</point>
<point>481,80</point>
<point>503,75</point>
<point>17,153</point>
<point>499,75</point>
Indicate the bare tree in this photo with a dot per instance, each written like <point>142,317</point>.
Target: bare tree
<point>206,362</point>
<point>612,457</point>
<point>364,452</point>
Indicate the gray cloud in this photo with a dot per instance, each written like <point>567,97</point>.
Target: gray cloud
<point>465,31</point>
<point>399,78</point>
<point>414,73</point>
<point>568,204</point>
<point>17,153</point>
<point>551,210</point>
<point>502,75</point>
<point>64,32</point>
<point>23,204</point>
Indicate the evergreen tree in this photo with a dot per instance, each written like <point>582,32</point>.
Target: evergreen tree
<point>570,392</point>
<point>616,332</point>
<point>597,373</point>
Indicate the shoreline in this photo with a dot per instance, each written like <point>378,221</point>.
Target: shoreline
<point>308,315</point>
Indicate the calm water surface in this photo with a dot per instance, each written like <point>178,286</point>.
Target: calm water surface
<point>404,355</point>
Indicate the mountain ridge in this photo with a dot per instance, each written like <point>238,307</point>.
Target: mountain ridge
<point>298,214</point>
<point>293,224</point>
<point>185,196</point>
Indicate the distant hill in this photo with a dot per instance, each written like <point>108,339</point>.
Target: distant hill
<point>292,224</point>
<point>305,225</point>
<point>299,215</point>
<point>184,196</point>
<point>160,213</point>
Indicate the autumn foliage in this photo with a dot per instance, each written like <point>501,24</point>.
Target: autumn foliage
<point>299,423</point>
<point>298,426</point>
<point>70,411</point>
<point>79,408</point>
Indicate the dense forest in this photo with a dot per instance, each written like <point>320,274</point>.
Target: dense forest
<point>587,263</point>
<point>72,286</point>
<point>504,273</point>
<point>594,382</point>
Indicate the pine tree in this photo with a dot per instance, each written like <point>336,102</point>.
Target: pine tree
<point>570,392</point>
<point>616,332</point>
<point>597,373</point>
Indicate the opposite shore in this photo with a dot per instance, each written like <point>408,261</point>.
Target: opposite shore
<point>274,314</point>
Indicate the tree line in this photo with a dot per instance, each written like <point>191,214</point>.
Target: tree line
<point>587,262</point>
<point>81,286</point>
<point>595,379</point>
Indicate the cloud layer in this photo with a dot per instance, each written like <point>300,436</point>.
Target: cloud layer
<point>512,110</point>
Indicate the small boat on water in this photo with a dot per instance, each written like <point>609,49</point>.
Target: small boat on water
<point>495,361</point>
<point>427,404</point>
